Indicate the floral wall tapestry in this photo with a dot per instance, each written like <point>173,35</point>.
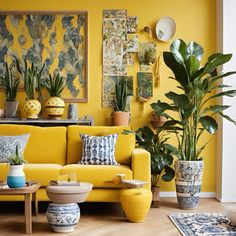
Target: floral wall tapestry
<point>58,39</point>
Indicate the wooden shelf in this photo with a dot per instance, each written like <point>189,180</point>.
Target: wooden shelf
<point>44,122</point>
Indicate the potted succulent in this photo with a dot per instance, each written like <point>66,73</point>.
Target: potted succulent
<point>55,105</point>
<point>10,82</point>
<point>161,157</point>
<point>194,116</point>
<point>16,175</point>
<point>32,76</point>
<point>119,104</point>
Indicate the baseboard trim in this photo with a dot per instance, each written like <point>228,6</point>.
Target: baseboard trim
<point>202,194</point>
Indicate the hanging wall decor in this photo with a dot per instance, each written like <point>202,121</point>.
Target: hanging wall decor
<point>147,54</point>
<point>114,44</point>
<point>58,39</point>
<point>132,43</point>
<point>109,88</point>
<point>145,85</point>
<point>132,24</point>
<point>114,13</point>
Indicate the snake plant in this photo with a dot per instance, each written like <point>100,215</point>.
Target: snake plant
<point>10,82</point>
<point>188,110</point>
<point>121,93</point>
<point>32,79</point>
<point>54,85</point>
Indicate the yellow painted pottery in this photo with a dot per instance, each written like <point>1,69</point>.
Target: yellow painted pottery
<point>136,203</point>
<point>55,107</point>
<point>32,109</point>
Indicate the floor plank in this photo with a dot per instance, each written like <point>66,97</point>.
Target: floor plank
<point>101,219</point>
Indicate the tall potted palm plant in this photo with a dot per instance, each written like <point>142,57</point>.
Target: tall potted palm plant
<point>190,114</point>
<point>10,82</point>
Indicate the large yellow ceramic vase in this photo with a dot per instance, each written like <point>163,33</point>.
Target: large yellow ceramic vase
<point>136,203</point>
<point>55,107</point>
<point>32,108</point>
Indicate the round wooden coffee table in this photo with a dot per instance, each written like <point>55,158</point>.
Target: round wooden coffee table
<point>64,213</point>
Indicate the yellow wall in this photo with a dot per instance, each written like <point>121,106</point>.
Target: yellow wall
<point>195,20</point>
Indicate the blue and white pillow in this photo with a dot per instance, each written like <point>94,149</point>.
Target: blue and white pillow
<point>98,150</point>
<point>8,145</point>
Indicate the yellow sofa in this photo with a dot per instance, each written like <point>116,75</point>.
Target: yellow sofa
<point>53,151</point>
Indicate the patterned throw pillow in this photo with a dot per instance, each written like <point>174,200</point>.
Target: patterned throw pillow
<point>98,150</point>
<point>8,145</point>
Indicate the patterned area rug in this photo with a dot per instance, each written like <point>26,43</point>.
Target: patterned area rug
<point>205,224</point>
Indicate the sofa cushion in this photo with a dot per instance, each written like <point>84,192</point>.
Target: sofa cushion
<point>45,145</point>
<point>98,150</point>
<point>42,173</point>
<point>124,145</point>
<point>8,145</point>
<point>99,175</point>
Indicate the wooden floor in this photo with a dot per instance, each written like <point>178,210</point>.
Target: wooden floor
<point>101,219</point>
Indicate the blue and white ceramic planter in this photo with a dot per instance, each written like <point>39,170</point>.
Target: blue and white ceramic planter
<point>188,183</point>
<point>63,217</point>
<point>16,176</point>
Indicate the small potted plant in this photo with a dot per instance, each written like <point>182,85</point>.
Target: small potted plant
<point>10,82</point>
<point>32,81</point>
<point>119,104</point>
<point>161,157</point>
<point>55,105</point>
<point>16,175</point>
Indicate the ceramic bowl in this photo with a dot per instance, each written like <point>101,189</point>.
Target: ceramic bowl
<point>230,213</point>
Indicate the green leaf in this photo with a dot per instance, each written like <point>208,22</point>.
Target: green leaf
<point>178,69</point>
<point>215,109</point>
<point>168,175</point>
<point>227,118</point>
<point>179,49</point>
<point>194,49</point>
<point>209,124</point>
<point>229,93</point>
<point>180,100</point>
<point>192,65</point>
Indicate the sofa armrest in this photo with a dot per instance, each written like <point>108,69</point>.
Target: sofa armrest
<point>141,165</point>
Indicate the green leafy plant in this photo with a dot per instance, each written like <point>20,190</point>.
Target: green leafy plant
<point>17,158</point>
<point>121,92</point>
<point>161,153</point>
<point>54,85</point>
<point>189,112</point>
<point>10,82</point>
<point>32,79</point>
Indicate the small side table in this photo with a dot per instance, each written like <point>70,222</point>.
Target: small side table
<point>64,213</point>
<point>26,191</point>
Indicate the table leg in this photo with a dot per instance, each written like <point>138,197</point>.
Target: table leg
<point>28,214</point>
<point>35,203</point>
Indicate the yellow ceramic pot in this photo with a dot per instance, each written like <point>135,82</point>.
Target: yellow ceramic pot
<point>32,109</point>
<point>55,107</point>
<point>136,203</point>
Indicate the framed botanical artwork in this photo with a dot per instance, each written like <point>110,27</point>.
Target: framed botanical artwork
<point>57,39</point>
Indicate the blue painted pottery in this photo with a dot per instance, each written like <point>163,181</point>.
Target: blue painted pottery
<point>63,217</point>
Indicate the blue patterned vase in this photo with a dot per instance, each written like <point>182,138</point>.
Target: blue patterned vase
<point>72,111</point>
<point>63,217</point>
<point>188,183</point>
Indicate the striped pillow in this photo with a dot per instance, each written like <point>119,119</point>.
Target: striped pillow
<point>98,150</point>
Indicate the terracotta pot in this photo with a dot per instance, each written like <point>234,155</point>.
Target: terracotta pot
<point>11,108</point>
<point>32,109</point>
<point>121,118</point>
<point>157,121</point>
<point>155,197</point>
<point>55,107</point>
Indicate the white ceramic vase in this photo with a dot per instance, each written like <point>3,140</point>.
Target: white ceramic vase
<point>16,176</point>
